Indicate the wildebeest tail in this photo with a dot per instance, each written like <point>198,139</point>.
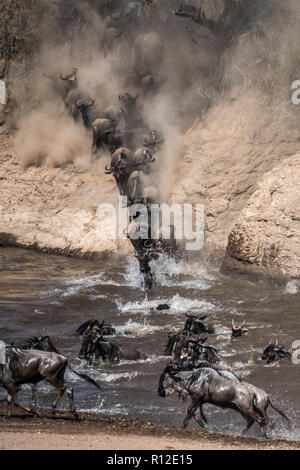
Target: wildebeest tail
<point>85,377</point>
<point>279,411</point>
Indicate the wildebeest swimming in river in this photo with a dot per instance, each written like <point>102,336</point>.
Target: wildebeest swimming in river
<point>102,328</point>
<point>238,329</point>
<point>43,343</point>
<point>273,353</point>
<point>194,325</point>
<point>32,366</point>
<point>94,346</point>
<point>220,388</point>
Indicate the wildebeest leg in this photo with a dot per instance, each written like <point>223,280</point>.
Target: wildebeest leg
<point>60,393</point>
<point>33,394</point>
<point>202,413</point>
<point>190,413</point>
<point>14,401</point>
<point>70,394</point>
<point>250,422</point>
<point>9,400</point>
<point>252,414</point>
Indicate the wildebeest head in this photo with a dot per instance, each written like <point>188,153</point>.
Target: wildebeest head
<point>89,345</point>
<point>165,387</point>
<point>194,325</point>
<point>71,79</point>
<point>238,329</point>
<point>121,165</point>
<point>142,159</point>
<point>128,100</point>
<point>153,139</point>
<point>83,105</point>
<point>273,352</point>
<point>172,339</point>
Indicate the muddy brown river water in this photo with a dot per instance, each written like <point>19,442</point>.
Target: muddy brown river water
<point>45,294</point>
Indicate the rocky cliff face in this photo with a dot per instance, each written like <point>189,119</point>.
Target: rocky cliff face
<point>226,158</point>
<point>265,237</point>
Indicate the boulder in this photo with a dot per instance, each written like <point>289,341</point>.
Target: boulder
<point>265,238</point>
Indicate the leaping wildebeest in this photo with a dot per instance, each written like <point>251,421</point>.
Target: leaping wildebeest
<point>220,388</point>
<point>32,366</point>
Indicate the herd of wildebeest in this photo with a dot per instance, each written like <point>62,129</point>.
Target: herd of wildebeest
<point>194,371</point>
<point>119,132</point>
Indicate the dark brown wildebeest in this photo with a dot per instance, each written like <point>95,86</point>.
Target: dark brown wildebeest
<point>188,351</point>
<point>32,366</point>
<point>94,325</point>
<point>42,343</point>
<point>108,350</point>
<point>273,353</point>
<point>238,329</point>
<point>194,325</point>
<point>220,388</point>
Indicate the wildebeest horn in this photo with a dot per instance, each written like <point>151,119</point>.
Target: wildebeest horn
<point>108,171</point>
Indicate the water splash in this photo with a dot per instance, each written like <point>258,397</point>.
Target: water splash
<point>177,305</point>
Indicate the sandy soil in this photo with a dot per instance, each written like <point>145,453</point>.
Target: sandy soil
<point>61,432</point>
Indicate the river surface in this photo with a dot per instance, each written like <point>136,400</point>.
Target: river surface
<point>52,295</point>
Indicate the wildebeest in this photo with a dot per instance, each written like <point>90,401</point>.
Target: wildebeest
<point>194,325</point>
<point>132,112</point>
<point>238,329</point>
<point>273,353</point>
<point>121,166</point>
<point>148,54</point>
<point>94,325</point>
<point>153,141</point>
<point>110,38</point>
<point>30,366</point>
<point>188,351</point>
<point>42,343</point>
<point>220,388</point>
<point>107,350</point>
<point>73,95</point>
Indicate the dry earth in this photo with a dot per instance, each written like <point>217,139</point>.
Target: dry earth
<point>98,433</point>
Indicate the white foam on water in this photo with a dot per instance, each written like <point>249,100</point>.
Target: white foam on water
<point>125,376</point>
<point>177,305</point>
<point>243,369</point>
<point>133,329</point>
<point>151,359</point>
<point>169,272</point>
<point>292,287</point>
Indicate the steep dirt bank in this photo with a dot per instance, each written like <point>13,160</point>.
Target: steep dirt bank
<point>226,156</point>
<point>56,209</point>
<point>265,236</point>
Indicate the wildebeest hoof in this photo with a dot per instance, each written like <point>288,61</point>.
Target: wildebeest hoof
<point>76,416</point>
<point>53,411</point>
